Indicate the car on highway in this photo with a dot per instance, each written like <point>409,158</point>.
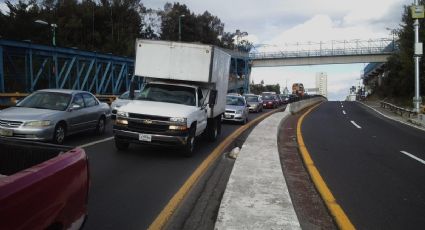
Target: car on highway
<point>42,186</point>
<point>237,109</point>
<point>284,98</point>
<point>53,114</point>
<point>121,100</point>
<point>255,103</point>
<point>269,101</point>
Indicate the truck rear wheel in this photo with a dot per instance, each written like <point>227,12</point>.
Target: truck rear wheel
<point>121,145</point>
<point>213,129</point>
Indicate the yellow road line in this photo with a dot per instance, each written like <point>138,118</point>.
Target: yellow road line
<point>172,205</point>
<point>339,215</point>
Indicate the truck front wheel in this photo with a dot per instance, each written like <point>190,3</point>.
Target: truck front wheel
<point>121,145</point>
<point>190,143</point>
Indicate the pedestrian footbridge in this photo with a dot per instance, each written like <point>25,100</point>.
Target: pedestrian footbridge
<point>321,53</point>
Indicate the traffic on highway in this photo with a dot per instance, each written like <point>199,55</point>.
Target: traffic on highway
<point>131,114</point>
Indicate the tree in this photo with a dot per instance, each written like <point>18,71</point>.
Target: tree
<point>400,66</point>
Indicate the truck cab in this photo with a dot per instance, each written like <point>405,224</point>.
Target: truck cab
<point>163,114</point>
<point>184,95</point>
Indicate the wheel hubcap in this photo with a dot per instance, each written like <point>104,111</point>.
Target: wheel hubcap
<point>101,125</point>
<point>60,134</point>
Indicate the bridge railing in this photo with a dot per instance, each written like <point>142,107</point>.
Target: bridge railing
<point>346,48</point>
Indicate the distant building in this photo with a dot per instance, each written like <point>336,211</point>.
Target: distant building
<point>322,83</point>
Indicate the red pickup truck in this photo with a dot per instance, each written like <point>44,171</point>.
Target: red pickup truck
<point>42,186</point>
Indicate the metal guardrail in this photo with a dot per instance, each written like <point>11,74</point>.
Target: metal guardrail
<point>397,109</point>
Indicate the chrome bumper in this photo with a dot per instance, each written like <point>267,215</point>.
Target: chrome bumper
<point>156,139</point>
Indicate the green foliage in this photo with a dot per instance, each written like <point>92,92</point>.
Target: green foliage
<point>110,26</point>
<point>400,66</point>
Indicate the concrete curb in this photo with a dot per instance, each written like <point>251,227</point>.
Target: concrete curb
<point>391,118</point>
<point>256,195</point>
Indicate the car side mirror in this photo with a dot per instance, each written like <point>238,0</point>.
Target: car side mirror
<point>247,105</point>
<point>74,107</point>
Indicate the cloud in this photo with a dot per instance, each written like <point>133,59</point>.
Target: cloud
<point>3,8</point>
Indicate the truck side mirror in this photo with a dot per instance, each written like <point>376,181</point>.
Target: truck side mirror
<point>132,88</point>
<point>212,98</point>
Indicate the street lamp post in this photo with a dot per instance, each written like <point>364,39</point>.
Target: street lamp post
<point>180,26</point>
<point>53,28</point>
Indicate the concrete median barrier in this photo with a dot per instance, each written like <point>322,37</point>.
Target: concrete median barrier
<point>295,107</point>
<point>256,195</point>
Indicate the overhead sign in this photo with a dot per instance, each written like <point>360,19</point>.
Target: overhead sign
<point>417,12</point>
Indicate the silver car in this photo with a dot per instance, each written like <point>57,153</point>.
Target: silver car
<point>123,99</point>
<point>255,102</point>
<point>52,114</point>
<point>236,109</point>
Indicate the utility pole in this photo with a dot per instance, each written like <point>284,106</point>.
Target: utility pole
<point>417,13</point>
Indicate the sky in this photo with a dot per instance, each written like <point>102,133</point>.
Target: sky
<point>274,23</point>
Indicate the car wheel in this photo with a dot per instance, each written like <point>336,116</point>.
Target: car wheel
<point>100,127</point>
<point>121,145</point>
<point>59,135</point>
<point>190,144</point>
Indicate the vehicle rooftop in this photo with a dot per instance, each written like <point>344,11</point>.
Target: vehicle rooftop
<point>67,91</point>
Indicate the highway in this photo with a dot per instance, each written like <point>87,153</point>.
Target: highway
<point>130,188</point>
<point>374,166</point>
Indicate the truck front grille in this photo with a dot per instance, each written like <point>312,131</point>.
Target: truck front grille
<point>10,124</point>
<point>142,127</point>
<point>148,117</point>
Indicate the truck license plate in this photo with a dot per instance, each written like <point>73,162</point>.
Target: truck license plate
<point>6,132</point>
<point>145,137</point>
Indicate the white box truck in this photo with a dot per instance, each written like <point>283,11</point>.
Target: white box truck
<point>184,95</point>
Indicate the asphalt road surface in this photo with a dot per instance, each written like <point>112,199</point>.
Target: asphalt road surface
<point>130,188</point>
<point>374,167</point>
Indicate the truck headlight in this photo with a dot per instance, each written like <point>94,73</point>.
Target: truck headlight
<point>178,127</point>
<point>35,124</point>
<point>122,114</point>
<point>120,121</point>
<point>178,119</point>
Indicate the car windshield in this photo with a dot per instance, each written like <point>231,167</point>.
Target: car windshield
<point>268,97</point>
<point>252,99</point>
<point>168,93</point>
<point>46,100</point>
<point>126,95</point>
<point>235,101</point>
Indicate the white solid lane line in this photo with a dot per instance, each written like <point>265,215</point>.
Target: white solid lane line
<point>343,111</point>
<point>357,126</point>
<point>96,142</point>
<point>414,157</point>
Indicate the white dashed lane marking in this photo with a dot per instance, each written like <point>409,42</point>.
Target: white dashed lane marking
<point>413,156</point>
<point>357,126</point>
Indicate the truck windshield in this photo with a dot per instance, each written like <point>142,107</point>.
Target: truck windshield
<point>169,93</point>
